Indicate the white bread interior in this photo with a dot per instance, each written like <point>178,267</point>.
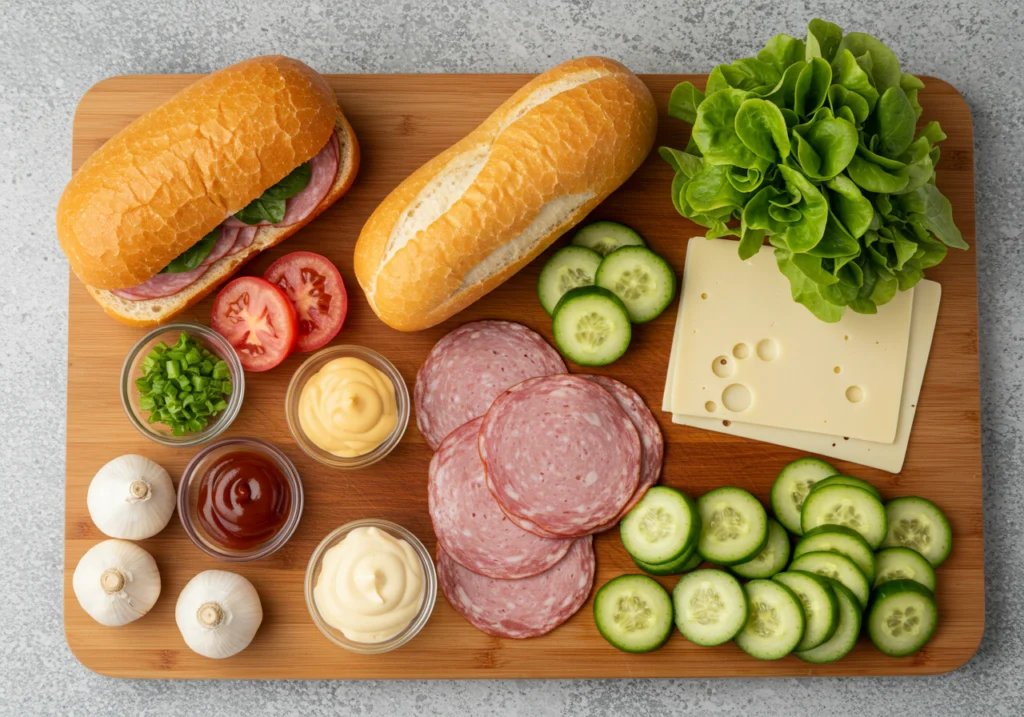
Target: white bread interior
<point>156,311</point>
<point>478,212</point>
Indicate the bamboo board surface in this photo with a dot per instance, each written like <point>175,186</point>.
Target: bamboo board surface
<point>402,121</point>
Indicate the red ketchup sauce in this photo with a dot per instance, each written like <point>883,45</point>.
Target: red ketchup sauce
<point>244,499</point>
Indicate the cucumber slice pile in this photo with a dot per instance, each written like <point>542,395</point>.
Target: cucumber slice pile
<point>569,268</point>
<point>606,237</point>
<point>791,488</point>
<point>772,559</point>
<point>903,564</point>
<point>642,279</point>
<point>848,506</point>
<point>595,288</point>
<point>710,607</point>
<point>918,524</point>
<point>734,526</point>
<point>662,528</point>
<point>821,607</point>
<point>633,613</point>
<point>857,562</point>
<point>845,636</point>
<point>775,625</point>
<point>902,618</point>
<point>839,539</point>
<point>591,326</point>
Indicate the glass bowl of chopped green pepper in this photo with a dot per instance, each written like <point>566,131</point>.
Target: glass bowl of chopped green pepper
<point>182,384</point>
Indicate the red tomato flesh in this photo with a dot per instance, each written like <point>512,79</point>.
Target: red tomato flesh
<point>258,320</point>
<point>315,288</point>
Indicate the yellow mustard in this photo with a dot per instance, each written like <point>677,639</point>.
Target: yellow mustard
<point>370,585</point>
<point>348,407</point>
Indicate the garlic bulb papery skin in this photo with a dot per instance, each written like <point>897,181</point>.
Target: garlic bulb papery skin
<point>131,497</point>
<point>116,582</point>
<point>218,613</point>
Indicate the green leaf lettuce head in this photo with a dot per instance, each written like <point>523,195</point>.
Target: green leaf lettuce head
<point>814,145</point>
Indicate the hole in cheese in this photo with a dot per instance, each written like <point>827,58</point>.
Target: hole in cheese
<point>855,394</point>
<point>741,351</point>
<point>710,407</point>
<point>736,398</point>
<point>722,366</point>
<point>767,349</point>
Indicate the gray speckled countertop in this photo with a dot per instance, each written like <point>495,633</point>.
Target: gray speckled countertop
<point>51,52</point>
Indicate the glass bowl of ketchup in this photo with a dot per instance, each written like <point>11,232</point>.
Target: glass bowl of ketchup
<point>240,499</point>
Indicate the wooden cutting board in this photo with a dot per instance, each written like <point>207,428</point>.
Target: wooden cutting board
<point>402,121</point>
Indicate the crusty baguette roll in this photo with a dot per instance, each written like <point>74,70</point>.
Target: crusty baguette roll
<point>474,215</point>
<point>157,311</point>
<point>170,177</point>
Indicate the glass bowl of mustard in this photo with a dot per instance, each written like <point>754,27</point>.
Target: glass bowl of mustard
<point>366,562</point>
<point>240,499</point>
<point>347,407</point>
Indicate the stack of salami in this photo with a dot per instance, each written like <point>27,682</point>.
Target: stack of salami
<point>531,462</point>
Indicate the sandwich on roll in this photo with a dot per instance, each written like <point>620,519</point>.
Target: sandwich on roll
<point>178,200</point>
<point>477,213</point>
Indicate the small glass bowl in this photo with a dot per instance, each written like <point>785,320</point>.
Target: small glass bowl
<point>188,499</point>
<point>316,362</point>
<point>132,370</point>
<point>429,587</point>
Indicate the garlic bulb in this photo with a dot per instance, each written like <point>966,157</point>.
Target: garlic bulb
<point>218,613</point>
<point>116,582</point>
<point>131,497</point>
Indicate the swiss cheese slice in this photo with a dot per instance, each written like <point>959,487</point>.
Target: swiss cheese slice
<point>747,352</point>
<point>885,456</point>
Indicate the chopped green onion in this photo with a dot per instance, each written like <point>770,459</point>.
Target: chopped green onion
<point>183,386</point>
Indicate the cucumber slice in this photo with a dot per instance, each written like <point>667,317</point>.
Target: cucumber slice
<point>903,564</point>
<point>633,613</point>
<point>775,625</point>
<point>848,506</point>
<point>642,279</point>
<point>847,480</point>
<point>918,524</point>
<point>790,489</point>
<point>568,268</point>
<point>902,618</point>
<point>821,607</point>
<point>845,637</point>
<point>591,326</point>
<point>734,526</point>
<point>838,567</point>
<point>663,527</point>
<point>683,564</point>
<point>606,237</point>
<point>772,558</point>
<point>711,607</point>
<point>839,539</point>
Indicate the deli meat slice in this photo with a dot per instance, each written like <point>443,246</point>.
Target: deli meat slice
<point>246,235</point>
<point>323,171</point>
<point>518,609</point>
<point>163,285</point>
<point>561,453</point>
<point>468,522</point>
<point>651,440</point>
<point>473,365</point>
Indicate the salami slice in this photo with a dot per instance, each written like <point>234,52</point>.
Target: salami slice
<point>323,171</point>
<point>518,609</point>
<point>560,452</point>
<point>473,365</point>
<point>245,237</point>
<point>651,441</point>
<point>468,522</point>
<point>163,285</point>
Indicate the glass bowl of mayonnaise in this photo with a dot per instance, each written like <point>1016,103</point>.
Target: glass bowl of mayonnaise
<point>347,406</point>
<point>370,586</point>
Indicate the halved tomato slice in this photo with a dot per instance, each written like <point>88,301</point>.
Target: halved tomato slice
<point>258,320</point>
<point>314,286</point>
